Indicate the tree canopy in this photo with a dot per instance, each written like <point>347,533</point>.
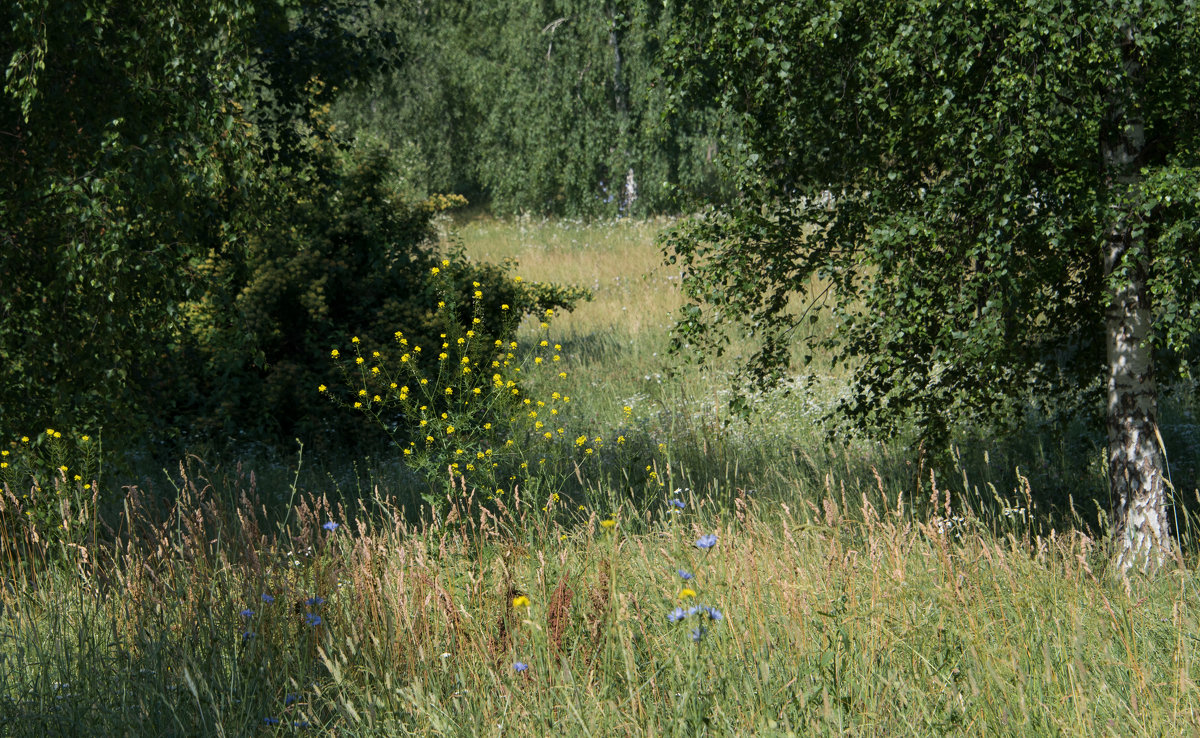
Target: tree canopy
<point>951,173</point>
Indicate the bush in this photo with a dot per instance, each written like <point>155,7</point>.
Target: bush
<point>458,405</point>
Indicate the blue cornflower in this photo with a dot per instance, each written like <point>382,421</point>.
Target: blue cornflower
<point>675,615</point>
<point>676,503</point>
<point>314,601</point>
<point>247,636</point>
<point>300,724</point>
<point>312,619</point>
<point>698,633</point>
<point>271,721</point>
<point>247,613</point>
<point>685,575</point>
<point>714,614</point>
<point>289,699</point>
<point>694,609</point>
<point>520,666</point>
<point>267,598</point>
<point>707,541</point>
<point>330,526</point>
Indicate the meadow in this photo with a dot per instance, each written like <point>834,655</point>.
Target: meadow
<point>680,571</point>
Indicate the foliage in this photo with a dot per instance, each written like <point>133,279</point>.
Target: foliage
<point>928,173</point>
<point>124,154</point>
<point>541,107</point>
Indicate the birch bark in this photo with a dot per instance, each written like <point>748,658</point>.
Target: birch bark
<point>1135,464</point>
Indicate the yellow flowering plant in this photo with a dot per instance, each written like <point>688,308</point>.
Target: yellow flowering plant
<point>458,406</point>
<point>48,486</point>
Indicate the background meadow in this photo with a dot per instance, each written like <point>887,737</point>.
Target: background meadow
<point>683,571</point>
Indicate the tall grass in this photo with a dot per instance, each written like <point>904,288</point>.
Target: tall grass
<point>851,589</point>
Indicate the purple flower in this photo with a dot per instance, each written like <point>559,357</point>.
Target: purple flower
<point>520,666</point>
<point>676,503</point>
<point>300,724</point>
<point>312,619</point>
<point>314,601</point>
<point>271,721</point>
<point>694,609</point>
<point>247,613</point>
<point>675,615</point>
<point>267,598</point>
<point>714,614</point>
<point>247,636</point>
<point>289,699</point>
<point>330,526</point>
<point>707,541</point>
<point>698,633</point>
<point>685,575</point>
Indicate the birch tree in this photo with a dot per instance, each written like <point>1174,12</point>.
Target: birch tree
<point>999,200</point>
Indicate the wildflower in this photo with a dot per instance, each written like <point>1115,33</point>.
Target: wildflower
<point>247,636</point>
<point>685,575</point>
<point>714,614</point>
<point>434,271</point>
<point>358,360</point>
<point>271,721</point>
<point>676,615</point>
<point>267,598</point>
<point>520,666</point>
<point>445,262</point>
<point>607,524</point>
<point>686,592</point>
<point>321,388</point>
<point>354,340</point>
<point>247,613</point>
<point>314,601</point>
<point>312,619</point>
<point>504,306</point>
<point>676,503</point>
<point>521,601</point>
<point>330,526</point>
<point>289,699</point>
<point>85,439</point>
<point>698,633</point>
<point>707,541</point>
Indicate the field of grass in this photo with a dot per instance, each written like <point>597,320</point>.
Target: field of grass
<point>706,576</point>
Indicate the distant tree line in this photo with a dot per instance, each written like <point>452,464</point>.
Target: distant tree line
<point>545,107</point>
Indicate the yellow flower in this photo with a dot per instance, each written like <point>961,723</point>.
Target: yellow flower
<point>62,468</point>
<point>375,354</point>
<point>516,279</point>
<point>686,592</point>
<point>78,478</point>
<point>521,601</point>
<point>449,429</point>
<point>374,370</point>
<point>358,404</point>
<point>376,398</point>
<point>358,360</point>
<point>85,439</point>
<point>608,524</point>
<point>334,353</point>
<point>57,434</point>
<point>478,294</point>
<point>3,464</point>
<point>434,270</point>
<point>504,306</point>
<point>321,388</point>
<point>408,452</point>
<point>449,390</point>
<point>445,262</point>
<point>24,439</point>
<point>354,340</point>
<point>362,393</point>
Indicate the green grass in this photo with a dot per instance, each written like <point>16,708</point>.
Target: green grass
<point>860,593</point>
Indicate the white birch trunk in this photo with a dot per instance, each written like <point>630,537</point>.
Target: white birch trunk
<point>1135,467</point>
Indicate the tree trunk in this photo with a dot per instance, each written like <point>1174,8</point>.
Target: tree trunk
<point>1135,464</point>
